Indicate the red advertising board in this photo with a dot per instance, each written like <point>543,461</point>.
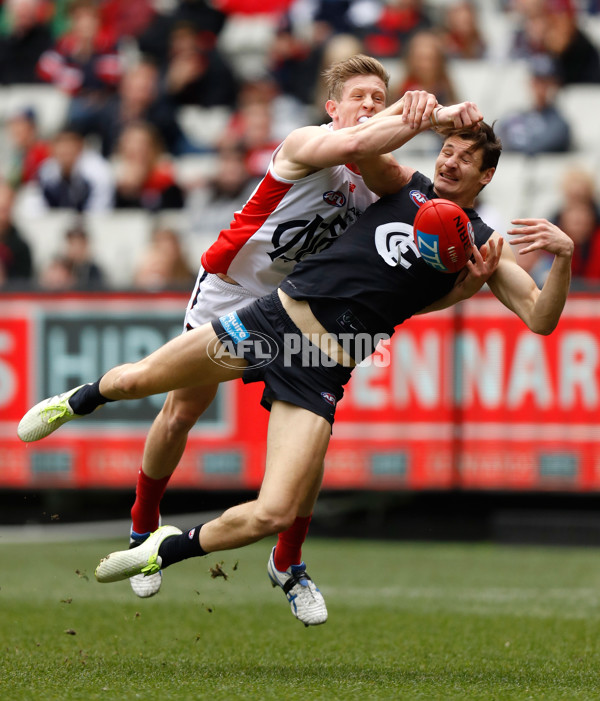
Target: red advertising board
<point>464,398</point>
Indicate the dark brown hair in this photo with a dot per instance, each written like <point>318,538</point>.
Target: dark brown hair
<point>483,139</point>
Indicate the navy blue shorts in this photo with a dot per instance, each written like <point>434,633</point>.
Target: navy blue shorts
<point>293,369</point>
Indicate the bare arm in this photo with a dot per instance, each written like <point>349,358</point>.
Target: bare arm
<point>309,149</point>
<point>476,273</point>
<point>384,175</point>
<point>539,309</point>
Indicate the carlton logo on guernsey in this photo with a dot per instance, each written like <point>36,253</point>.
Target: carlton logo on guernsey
<point>283,221</point>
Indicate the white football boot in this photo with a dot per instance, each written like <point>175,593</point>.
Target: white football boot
<point>306,601</point>
<point>46,416</point>
<point>142,585</point>
<point>141,560</point>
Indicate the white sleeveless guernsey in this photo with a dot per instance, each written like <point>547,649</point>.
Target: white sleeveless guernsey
<point>284,221</point>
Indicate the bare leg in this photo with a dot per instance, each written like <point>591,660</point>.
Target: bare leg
<point>168,434</point>
<point>291,482</point>
<point>182,363</point>
<point>163,449</point>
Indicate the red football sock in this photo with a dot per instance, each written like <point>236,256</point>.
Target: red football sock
<point>145,511</point>
<point>289,544</point>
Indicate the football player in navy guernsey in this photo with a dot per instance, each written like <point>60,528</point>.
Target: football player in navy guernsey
<point>325,315</point>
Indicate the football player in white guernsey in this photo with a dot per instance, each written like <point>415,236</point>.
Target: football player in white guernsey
<point>311,193</point>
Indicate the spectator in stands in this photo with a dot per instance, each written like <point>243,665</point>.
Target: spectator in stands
<point>293,61</point>
<point>580,214</point>
<point>145,176</point>
<point>398,21</point>
<point>256,137</point>
<point>75,176</point>
<point>87,273</point>
<point>297,54</point>
<point>577,57</point>
<point>196,73</point>
<point>57,275</point>
<point>541,128</point>
<point>578,184</point>
<point>578,220</point>
<point>127,19</point>
<point>528,38</point>
<point>251,127</point>
<point>212,203</point>
<point>85,62</point>
<point>16,268</point>
<point>331,17</point>
<point>427,68</point>
<point>138,99</point>
<point>73,267</point>
<point>29,36</point>
<point>461,33</point>
<point>26,151</point>
<point>164,265</point>
<point>551,26</point>
<point>203,15</point>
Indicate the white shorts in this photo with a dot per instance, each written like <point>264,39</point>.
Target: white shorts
<point>212,298</point>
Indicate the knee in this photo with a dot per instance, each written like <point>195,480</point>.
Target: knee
<point>181,416</point>
<point>270,521</point>
<point>129,382</point>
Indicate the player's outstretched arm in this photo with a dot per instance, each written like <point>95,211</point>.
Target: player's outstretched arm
<point>539,309</point>
<point>384,175</point>
<point>308,149</point>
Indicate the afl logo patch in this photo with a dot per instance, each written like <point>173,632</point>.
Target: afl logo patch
<point>329,398</point>
<point>335,198</point>
<point>417,197</point>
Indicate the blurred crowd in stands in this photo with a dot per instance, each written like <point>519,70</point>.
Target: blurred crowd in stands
<point>143,80</point>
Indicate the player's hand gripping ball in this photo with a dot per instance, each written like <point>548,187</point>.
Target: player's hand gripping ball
<point>444,235</point>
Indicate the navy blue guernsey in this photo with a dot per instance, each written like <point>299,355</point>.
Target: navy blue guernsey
<point>373,278</point>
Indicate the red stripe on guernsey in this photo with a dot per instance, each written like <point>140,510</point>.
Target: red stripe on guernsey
<point>245,224</point>
<point>354,168</point>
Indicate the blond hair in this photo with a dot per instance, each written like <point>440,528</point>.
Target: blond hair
<point>336,75</point>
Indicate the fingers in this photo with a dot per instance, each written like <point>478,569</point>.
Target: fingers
<point>418,107</point>
<point>465,114</point>
<point>495,251</point>
<point>535,234</point>
<point>484,261</point>
<point>529,222</point>
<point>476,254</point>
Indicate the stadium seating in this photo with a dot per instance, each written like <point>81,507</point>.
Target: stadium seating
<point>48,102</point>
<point>499,85</point>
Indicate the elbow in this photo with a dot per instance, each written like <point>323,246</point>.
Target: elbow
<point>544,328</point>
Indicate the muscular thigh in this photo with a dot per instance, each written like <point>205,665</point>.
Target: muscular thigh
<point>186,361</point>
<point>296,445</point>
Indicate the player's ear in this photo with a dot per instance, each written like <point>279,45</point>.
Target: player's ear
<point>331,108</point>
<point>487,176</point>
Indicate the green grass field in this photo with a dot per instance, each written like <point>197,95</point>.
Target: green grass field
<point>406,621</point>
